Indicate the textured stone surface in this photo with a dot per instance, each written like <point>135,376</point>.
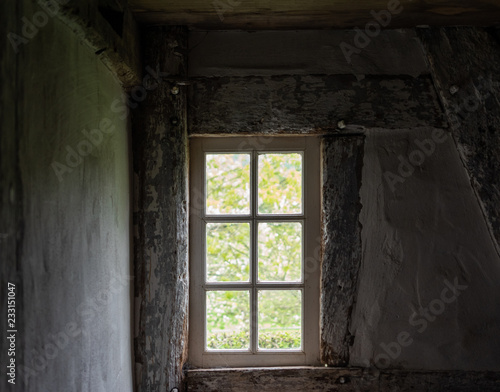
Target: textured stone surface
<point>342,164</point>
<point>308,104</point>
<point>160,219</point>
<point>469,59</point>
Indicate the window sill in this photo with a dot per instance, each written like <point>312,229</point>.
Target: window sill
<point>262,379</point>
<point>329,379</point>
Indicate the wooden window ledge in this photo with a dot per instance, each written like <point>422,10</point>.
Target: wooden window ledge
<point>326,379</point>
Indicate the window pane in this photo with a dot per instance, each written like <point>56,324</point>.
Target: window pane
<point>228,184</point>
<point>280,314</point>
<point>280,252</point>
<point>280,183</point>
<point>228,252</point>
<point>228,320</point>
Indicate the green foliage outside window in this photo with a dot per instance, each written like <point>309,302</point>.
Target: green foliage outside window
<point>279,250</point>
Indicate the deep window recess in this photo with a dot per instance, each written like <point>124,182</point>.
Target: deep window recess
<point>254,268</point>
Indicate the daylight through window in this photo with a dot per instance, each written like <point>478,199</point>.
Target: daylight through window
<point>254,299</point>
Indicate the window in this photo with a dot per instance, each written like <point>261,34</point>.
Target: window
<point>254,269</point>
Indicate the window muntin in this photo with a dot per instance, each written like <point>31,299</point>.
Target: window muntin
<point>263,279</point>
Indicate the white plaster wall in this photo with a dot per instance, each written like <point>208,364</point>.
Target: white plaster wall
<point>427,231</point>
<point>73,263</point>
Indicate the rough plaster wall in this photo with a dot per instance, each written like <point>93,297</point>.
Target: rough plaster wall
<point>428,230</point>
<point>68,241</point>
<point>10,182</point>
<point>118,50</point>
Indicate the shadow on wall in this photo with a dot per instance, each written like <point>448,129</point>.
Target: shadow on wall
<point>428,297</point>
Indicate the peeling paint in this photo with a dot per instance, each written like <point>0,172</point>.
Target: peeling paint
<point>309,104</point>
<point>161,245</point>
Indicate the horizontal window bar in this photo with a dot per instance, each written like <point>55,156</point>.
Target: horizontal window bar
<point>246,218</point>
<point>260,351</point>
<point>248,286</point>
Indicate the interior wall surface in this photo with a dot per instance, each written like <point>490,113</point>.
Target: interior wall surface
<point>427,293</point>
<point>415,285</point>
<point>465,67</point>
<point>65,209</point>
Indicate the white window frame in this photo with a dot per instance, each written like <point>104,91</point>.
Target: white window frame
<point>309,354</point>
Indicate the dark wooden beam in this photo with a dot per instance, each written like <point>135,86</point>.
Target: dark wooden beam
<point>118,51</point>
<point>342,165</point>
<point>160,217</point>
<point>338,379</point>
<point>310,104</point>
<point>465,63</point>
<point>317,14</point>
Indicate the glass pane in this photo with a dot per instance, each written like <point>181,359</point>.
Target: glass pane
<point>228,184</point>
<point>280,318</point>
<point>228,252</point>
<point>280,252</point>
<point>280,183</point>
<point>228,320</point>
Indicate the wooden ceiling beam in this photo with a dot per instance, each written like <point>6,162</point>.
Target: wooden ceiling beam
<point>313,14</point>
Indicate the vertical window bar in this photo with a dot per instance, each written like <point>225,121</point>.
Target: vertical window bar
<point>204,186</point>
<point>204,250</point>
<point>254,253</point>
